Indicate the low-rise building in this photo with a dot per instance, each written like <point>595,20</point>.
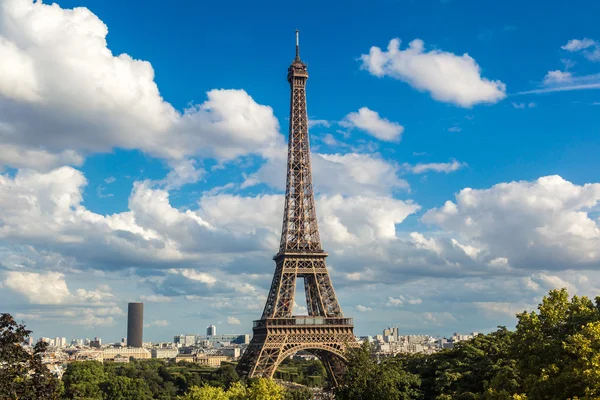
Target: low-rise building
<point>185,357</point>
<point>212,360</point>
<point>164,352</point>
<point>231,352</point>
<point>138,353</point>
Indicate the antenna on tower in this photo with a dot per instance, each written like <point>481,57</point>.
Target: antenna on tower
<point>297,44</point>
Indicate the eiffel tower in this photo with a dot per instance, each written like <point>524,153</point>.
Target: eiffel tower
<point>325,331</point>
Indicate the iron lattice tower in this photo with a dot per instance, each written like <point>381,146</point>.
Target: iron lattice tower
<point>324,331</point>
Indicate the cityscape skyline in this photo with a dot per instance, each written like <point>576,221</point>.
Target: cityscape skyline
<point>454,186</point>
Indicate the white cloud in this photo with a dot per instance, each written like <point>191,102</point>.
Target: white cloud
<point>182,172</point>
<point>318,122</point>
<point>47,51</point>
<point>154,298</point>
<point>554,77</point>
<point>356,174</point>
<point>586,82</point>
<point>455,129</point>
<point>110,180</point>
<point>393,302</point>
<point>439,318</point>
<point>361,308</point>
<point>549,282</point>
<point>509,309</point>
<point>369,121</point>
<point>50,288</point>
<point>436,167</point>
<point>448,77</point>
<point>522,106</point>
<point>233,321</point>
<point>49,211</point>
<point>561,81</point>
<point>396,302</point>
<point>83,307</point>
<point>329,140</point>
<point>577,45</point>
<point>157,322</point>
<point>590,48</point>
<point>361,220</point>
<point>542,224</point>
<point>18,80</point>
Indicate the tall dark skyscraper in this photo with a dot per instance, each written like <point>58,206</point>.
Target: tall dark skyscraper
<point>135,324</point>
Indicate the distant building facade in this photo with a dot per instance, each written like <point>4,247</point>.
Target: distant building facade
<point>164,353</point>
<point>125,352</point>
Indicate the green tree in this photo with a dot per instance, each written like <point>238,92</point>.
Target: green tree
<point>481,368</point>
<point>298,394</point>
<point>82,380</point>
<point>124,388</point>
<point>238,391</point>
<point>265,389</point>
<point>259,389</point>
<point>366,378</point>
<point>23,376</point>
<point>548,343</point>
<point>584,349</point>
<point>205,393</point>
<point>224,376</point>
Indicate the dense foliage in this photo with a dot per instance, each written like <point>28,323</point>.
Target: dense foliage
<point>305,372</point>
<point>157,379</point>
<point>554,354</point>
<point>22,374</point>
<point>368,378</point>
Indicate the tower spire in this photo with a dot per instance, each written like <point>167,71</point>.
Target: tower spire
<point>297,44</point>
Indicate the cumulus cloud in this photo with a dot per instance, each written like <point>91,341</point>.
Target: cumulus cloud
<point>182,172</point>
<point>545,224</point>
<point>360,220</point>
<point>233,321</point>
<point>50,288</point>
<point>362,308</point>
<point>49,210</point>
<point>446,76</point>
<point>219,252</point>
<point>357,174</point>
<point>116,102</point>
<point>369,121</point>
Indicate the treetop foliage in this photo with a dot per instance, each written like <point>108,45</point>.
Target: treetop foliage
<point>554,354</point>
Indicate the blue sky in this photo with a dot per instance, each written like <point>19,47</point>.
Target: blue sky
<point>144,143</point>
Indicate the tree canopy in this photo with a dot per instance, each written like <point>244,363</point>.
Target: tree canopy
<point>22,374</point>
